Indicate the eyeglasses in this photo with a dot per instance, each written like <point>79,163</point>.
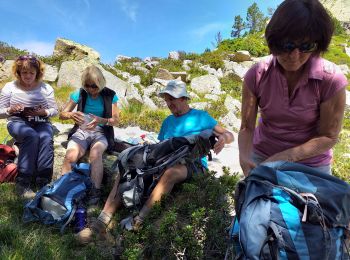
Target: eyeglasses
<point>28,57</point>
<point>304,47</point>
<point>93,86</point>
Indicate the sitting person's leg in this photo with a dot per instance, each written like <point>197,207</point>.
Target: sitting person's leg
<point>45,154</point>
<point>28,142</point>
<point>96,151</point>
<point>76,148</point>
<point>170,177</point>
<point>99,226</point>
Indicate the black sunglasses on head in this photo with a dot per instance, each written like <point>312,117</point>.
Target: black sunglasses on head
<point>93,86</point>
<point>30,58</point>
<point>304,47</point>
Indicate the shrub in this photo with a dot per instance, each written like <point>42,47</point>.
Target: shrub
<point>214,59</point>
<point>136,114</point>
<point>254,43</point>
<point>217,108</point>
<point>171,65</point>
<point>190,223</point>
<point>9,52</point>
<point>232,87</point>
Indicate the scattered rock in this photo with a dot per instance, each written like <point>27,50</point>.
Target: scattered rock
<point>74,51</point>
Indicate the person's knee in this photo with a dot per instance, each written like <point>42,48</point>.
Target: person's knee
<point>95,154</point>
<point>71,156</point>
<point>173,176</point>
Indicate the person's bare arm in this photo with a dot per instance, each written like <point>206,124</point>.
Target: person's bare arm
<point>224,137</point>
<point>67,113</point>
<point>331,117</point>
<point>246,132</point>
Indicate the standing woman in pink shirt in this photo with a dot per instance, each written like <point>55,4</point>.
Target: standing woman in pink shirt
<point>300,96</point>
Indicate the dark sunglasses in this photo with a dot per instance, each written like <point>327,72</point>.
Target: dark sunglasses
<point>28,57</point>
<point>304,47</point>
<point>93,86</point>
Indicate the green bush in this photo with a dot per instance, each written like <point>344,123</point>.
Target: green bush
<point>136,114</point>
<point>232,87</point>
<point>9,52</point>
<point>254,43</point>
<point>190,223</point>
<point>171,65</point>
<point>214,59</point>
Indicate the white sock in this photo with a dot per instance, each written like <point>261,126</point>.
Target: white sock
<point>104,218</point>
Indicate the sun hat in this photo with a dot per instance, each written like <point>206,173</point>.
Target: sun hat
<point>175,88</point>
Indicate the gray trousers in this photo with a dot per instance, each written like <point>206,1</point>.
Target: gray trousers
<point>36,153</point>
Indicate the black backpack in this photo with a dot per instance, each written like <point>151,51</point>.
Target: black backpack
<point>142,165</point>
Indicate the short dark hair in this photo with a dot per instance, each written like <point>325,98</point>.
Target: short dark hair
<point>297,20</point>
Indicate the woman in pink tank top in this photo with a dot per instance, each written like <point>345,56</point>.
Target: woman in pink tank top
<point>300,96</point>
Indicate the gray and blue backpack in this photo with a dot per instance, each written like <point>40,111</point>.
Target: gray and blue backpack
<point>290,211</point>
<point>56,203</point>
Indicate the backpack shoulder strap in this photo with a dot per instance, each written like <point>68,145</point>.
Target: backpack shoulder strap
<point>69,219</point>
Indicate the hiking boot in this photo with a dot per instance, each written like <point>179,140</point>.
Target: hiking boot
<point>24,191</point>
<point>96,230</point>
<point>94,197</point>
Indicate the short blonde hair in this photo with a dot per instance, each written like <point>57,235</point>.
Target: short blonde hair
<point>28,62</point>
<point>93,74</point>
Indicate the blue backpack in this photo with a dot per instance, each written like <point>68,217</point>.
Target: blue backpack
<point>56,203</point>
<point>290,211</point>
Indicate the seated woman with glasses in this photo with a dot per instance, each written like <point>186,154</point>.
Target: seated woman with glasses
<point>28,103</point>
<point>96,114</point>
<point>300,96</point>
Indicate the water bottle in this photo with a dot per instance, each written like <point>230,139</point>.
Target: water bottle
<point>80,219</point>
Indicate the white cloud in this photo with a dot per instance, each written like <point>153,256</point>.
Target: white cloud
<point>40,48</point>
<point>211,28</point>
<point>129,8</point>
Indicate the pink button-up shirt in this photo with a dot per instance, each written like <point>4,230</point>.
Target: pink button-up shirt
<point>285,121</point>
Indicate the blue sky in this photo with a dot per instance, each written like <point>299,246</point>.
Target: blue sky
<point>128,27</point>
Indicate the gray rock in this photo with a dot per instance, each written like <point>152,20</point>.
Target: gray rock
<point>74,51</point>
<point>6,70</point>
<point>206,84</point>
<point>240,56</point>
<point>232,104</point>
<point>344,69</point>
<point>149,103</point>
<point>51,73</point>
<point>133,93</point>
<point>174,55</point>
<point>182,75</point>
<point>211,97</point>
<point>230,121</point>
<point>164,74</point>
<point>120,58</point>
<point>199,105</point>
<point>185,65</point>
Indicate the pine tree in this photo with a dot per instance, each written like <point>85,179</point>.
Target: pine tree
<point>238,27</point>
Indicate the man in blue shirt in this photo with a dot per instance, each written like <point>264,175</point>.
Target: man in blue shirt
<point>183,121</point>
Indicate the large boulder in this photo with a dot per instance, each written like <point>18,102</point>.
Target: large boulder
<point>74,51</point>
<point>6,70</point>
<point>339,8</point>
<point>207,84</point>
